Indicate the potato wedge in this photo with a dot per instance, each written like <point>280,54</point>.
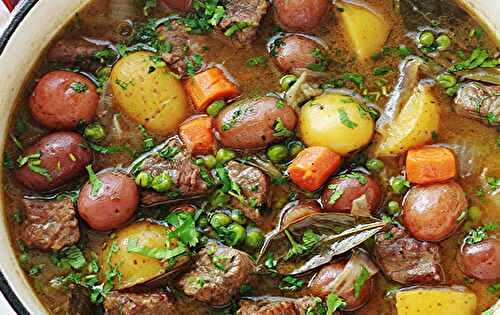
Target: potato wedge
<point>436,301</point>
<point>137,268</point>
<point>366,29</point>
<point>149,94</point>
<point>414,125</point>
<point>337,122</point>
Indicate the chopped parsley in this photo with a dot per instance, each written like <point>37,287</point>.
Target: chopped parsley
<point>257,61</point>
<point>382,70</point>
<point>235,27</point>
<point>360,281</point>
<point>79,87</point>
<point>478,58</point>
<point>204,16</point>
<point>361,178</point>
<point>34,164</point>
<point>356,78</point>
<point>148,141</point>
<point>291,284</point>
<point>309,242</point>
<point>71,256</point>
<point>160,253</point>
<point>479,234</point>
<point>122,84</point>
<point>169,152</point>
<point>95,182</point>
<point>279,129</point>
<point>493,182</point>
<point>194,64</point>
<point>185,229</point>
<point>321,62</point>
<point>335,194</point>
<point>345,120</point>
<point>334,303</point>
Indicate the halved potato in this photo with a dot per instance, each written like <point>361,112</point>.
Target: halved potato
<point>136,268</point>
<point>337,122</point>
<point>366,29</point>
<point>414,125</point>
<point>147,92</point>
<point>436,301</point>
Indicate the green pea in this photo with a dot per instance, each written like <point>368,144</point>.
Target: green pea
<point>446,80</point>
<point>94,132</point>
<point>219,220</point>
<point>426,39</point>
<point>162,183</point>
<point>287,81</point>
<point>277,153</point>
<point>443,42</point>
<point>375,165</point>
<point>399,184</point>
<point>474,213</point>
<point>224,155</point>
<point>143,179</point>
<point>393,207</point>
<point>209,161</point>
<point>199,162</point>
<point>24,258</point>
<point>238,217</point>
<point>255,237</point>
<point>294,148</point>
<point>203,222</point>
<point>214,108</point>
<point>236,234</point>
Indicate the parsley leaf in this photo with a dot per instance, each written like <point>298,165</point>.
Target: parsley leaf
<point>333,303</point>
<point>257,61</point>
<point>335,194</point>
<point>95,182</point>
<point>478,58</point>
<point>279,129</point>
<point>345,120</point>
<point>160,253</point>
<point>476,236</point>
<point>360,281</point>
<point>79,87</point>
<point>185,229</point>
<point>72,256</point>
<point>290,284</point>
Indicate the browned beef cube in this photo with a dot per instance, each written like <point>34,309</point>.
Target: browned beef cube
<point>480,102</point>
<point>139,304</point>
<point>50,225</point>
<point>407,260</point>
<point>218,274</point>
<point>280,306</point>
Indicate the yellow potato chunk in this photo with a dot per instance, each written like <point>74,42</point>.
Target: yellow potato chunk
<point>337,122</point>
<point>147,92</point>
<point>414,125</point>
<point>137,268</point>
<point>435,301</point>
<point>366,29</point>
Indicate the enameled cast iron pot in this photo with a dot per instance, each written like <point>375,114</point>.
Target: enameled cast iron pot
<point>30,29</point>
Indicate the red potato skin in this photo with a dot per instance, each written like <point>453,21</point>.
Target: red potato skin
<point>431,212</point>
<point>181,5</point>
<point>482,260</point>
<point>56,106</point>
<point>296,52</point>
<point>299,210</point>
<point>300,15</point>
<point>56,149</point>
<point>320,284</point>
<point>114,204</point>
<point>352,190</point>
<point>253,128</point>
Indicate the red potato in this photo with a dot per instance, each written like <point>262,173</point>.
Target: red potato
<point>296,52</point>
<point>113,205</point>
<point>481,260</point>
<point>181,5</point>
<point>431,213</point>
<point>62,99</point>
<point>63,155</point>
<point>249,124</point>
<point>300,15</point>
<point>320,284</point>
<point>350,189</point>
<point>297,210</point>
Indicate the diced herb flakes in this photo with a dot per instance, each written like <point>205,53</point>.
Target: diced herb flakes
<point>95,182</point>
<point>360,281</point>
<point>345,120</point>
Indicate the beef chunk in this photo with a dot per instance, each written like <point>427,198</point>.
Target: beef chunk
<point>254,185</point>
<point>246,15</point>
<point>185,175</point>
<point>184,46</point>
<point>139,304</point>
<point>219,273</point>
<point>407,260</point>
<point>280,306</point>
<point>480,102</point>
<point>72,52</point>
<point>50,225</point>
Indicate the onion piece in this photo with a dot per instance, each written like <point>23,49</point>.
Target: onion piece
<point>490,75</point>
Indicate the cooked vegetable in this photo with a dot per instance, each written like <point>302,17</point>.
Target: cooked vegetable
<point>375,165</point>
<point>336,121</point>
<point>429,165</point>
<point>298,210</point>
<point>443,42</point>
<point>197,135</point>
<point>215,108</point>
<point>312,167</point>
<point>413,126</point>
<point>426,39</point>
<point>366,29</point>
<point>140,253</point>
<point>481,260</point>
<point>94,132</point>
<point>277,153</point>
<point>300,15</point>
<point>255,237</point>
<point>224,155</point>
<point>436,301</point>
<point>209,86</point>
<point>313,241</point>
<point>287,81</point>
<point>163,101</point>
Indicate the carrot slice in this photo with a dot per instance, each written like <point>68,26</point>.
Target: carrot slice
<point>429,165</point>
<point>197,135</point>
<point>209,86</point>
<point>312,167</point>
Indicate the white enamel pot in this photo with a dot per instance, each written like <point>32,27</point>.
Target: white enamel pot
<point>32,25</point>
